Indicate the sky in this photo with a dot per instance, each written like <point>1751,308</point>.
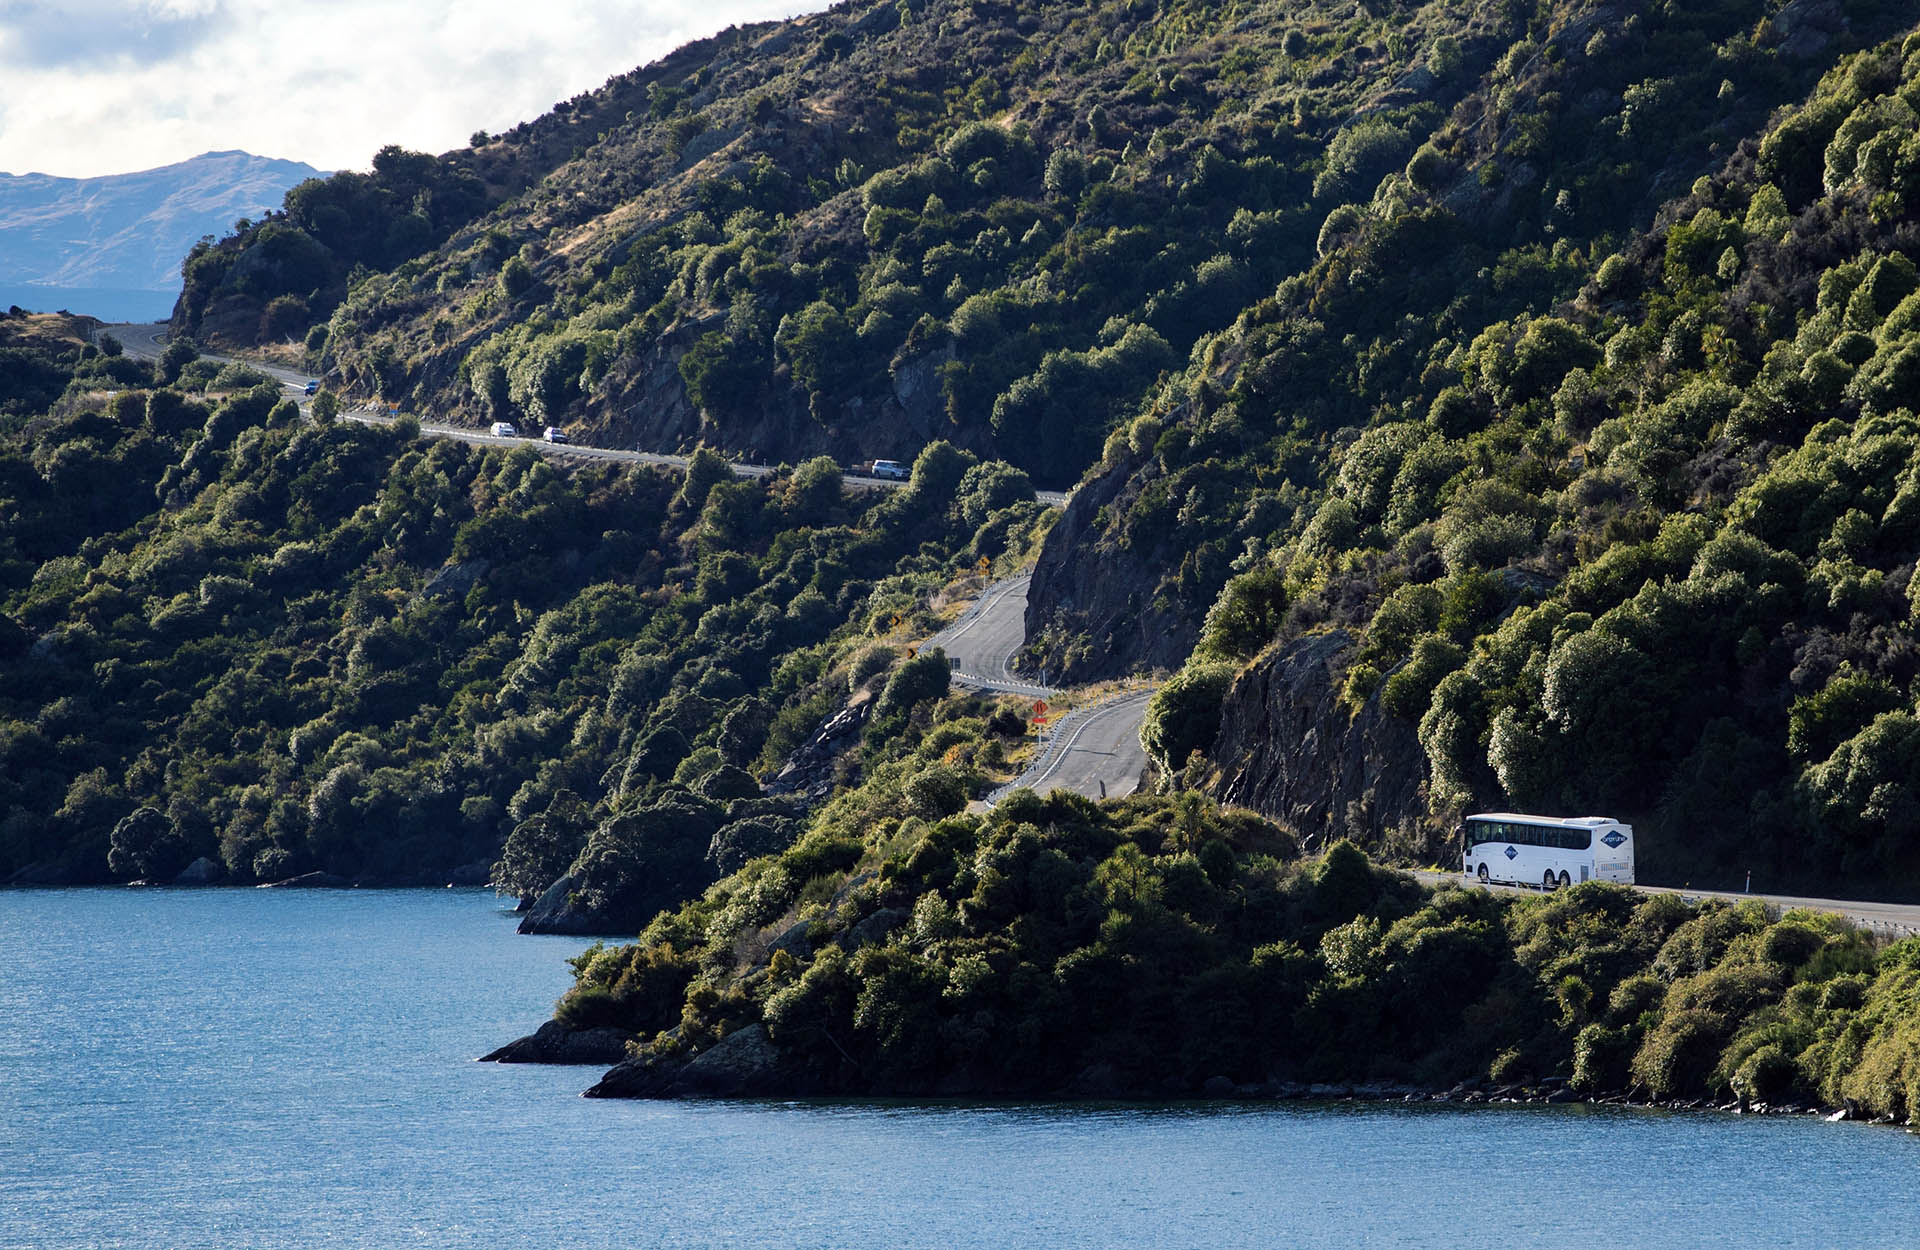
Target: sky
<point>112,86</point>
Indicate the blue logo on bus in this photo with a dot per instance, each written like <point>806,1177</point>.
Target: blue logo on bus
<point>1613,837</point>
<point>1511,852</point>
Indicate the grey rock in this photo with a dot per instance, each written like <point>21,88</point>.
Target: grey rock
<point>808,774</point>
<point>1301,757</point>
<point>202,871</point>
<point>1521,583</point>
<point>557,910</point>
<point>455,580</point>
<point>634,1078</point>
<point>1088,586</point>
<point>705,144</point>
<point>479,872</point>
<point>555,1043</point>
<point>916,388</point>
<point>43,873</point>
<point>1218,1087</point>
<point>550,909</point>
<point>876,927</point>
<point>1806,27</point>
<point>794,940</point>
<point>743,1064</point>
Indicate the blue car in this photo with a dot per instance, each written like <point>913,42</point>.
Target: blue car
<point>311,388</point>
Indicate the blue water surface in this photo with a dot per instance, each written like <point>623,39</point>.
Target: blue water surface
<point>240,1068</point>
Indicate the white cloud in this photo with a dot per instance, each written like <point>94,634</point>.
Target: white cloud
<point>109,86</point>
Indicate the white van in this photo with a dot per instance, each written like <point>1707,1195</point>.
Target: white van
<point>504,429</point>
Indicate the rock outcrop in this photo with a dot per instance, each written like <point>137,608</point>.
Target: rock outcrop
<point>1294,751</point>
<point>551,913</point>
<point>1092,603</point>
<point>808,773</point>
<point>45,873</point>
<point>202,871</point>
<point>743,1064</point>
<point>554,1042</point>
<point>469,875</point>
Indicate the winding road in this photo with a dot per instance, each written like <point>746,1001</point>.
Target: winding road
<point>982,643</point>
<point>149,341</point>
<point>1093,750</point>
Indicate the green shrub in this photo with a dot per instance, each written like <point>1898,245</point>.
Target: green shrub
<point>1408,691</point>
<point>1184,715</point>
<point>1601,1056</point>
<point>924,677</point>
<point>870,662</point>
<point>1678,1057</point>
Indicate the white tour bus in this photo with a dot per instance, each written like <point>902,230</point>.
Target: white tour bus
<point>1545,850</point>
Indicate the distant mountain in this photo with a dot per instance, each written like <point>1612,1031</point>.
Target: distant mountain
<point>112,246</point>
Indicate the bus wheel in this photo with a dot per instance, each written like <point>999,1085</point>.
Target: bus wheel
<point>1565,880</point>
<point>1483,874</point>
<point>1547,882</point>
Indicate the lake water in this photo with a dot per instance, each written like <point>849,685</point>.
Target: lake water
<point>241,1068</point>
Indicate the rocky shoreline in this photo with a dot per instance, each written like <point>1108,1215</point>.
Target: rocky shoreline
<point>747,1064</point>
<point>204,872</point>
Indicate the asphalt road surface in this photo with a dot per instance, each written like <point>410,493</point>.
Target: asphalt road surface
<point>149,341</point>
<point>1894,920</point>
<point>1094,750</point>
<point>982,643</point>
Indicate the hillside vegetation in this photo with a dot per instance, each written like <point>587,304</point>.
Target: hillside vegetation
<point>292,648</point>
<point>1646,551</point>
<point>1156,947</point>
<point>892,223</point>
<point>1548,365</point>
<point>1472,406</point>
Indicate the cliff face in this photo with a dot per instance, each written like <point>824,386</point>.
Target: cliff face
<point>647,407</point>
<point>1295,753</point>
<point>1093,608</point>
